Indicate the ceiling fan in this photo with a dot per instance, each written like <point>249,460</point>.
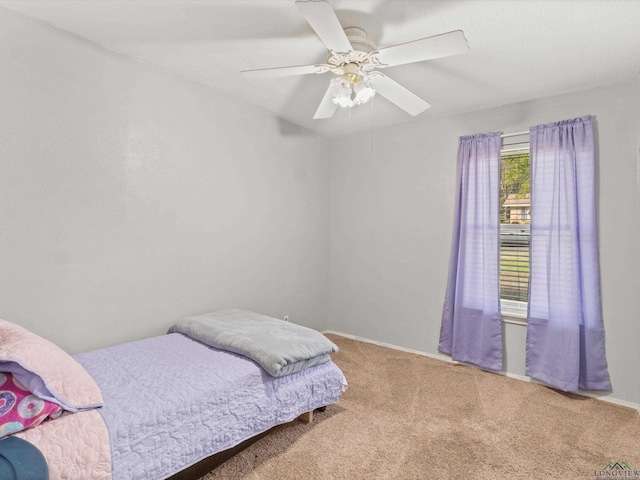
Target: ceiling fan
<point>355,59</point>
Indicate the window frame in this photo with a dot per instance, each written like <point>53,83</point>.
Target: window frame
<point>515,311</point>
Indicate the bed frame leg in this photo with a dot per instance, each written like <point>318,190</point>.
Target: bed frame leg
<point>306,417</point>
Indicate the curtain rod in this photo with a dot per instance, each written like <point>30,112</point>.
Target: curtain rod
<point>514,134</point>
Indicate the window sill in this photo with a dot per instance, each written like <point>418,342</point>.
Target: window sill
<point>514,320</point>
<point>513,312</point>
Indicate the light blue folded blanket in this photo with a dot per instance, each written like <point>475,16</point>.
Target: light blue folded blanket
<point>280,347</point>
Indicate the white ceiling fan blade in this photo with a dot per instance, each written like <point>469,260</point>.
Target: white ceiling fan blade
<point>283,71</point>
<point>325,23</point>
<point>327,108</point>
<point>444,45</point>
<point>396,93</point>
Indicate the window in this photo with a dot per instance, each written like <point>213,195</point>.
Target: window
<point>515,225</point>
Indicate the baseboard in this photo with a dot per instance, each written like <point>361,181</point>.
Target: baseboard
<point>597,396</point>
<point>447,359</point>
<point>444,358</point>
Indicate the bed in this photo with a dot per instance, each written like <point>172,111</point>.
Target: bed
<point>170,406</point>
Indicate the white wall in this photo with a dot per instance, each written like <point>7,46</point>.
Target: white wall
<point>130,198</point>
<point>392,213</point>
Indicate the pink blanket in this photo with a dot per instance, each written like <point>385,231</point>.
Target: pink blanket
<point>71,456</point>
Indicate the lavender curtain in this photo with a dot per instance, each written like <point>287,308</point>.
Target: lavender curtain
<point>565,334</point>
<point>471,329</point>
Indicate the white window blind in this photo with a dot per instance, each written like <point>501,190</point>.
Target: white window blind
<point>515,224</point>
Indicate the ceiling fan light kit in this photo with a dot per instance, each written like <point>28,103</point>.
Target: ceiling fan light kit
<point>355,59</point>
<point>352,87</point>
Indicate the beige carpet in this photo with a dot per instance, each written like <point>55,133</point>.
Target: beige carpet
<point>406,416</point>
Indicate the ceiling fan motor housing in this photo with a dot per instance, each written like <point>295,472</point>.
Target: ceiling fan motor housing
<point>361,60</point>
<point>358,39</point>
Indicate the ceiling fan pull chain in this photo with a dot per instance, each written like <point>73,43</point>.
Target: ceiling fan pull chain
<point>371,126</point>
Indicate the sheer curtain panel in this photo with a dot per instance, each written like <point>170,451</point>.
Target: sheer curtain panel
<point>471,329</point>
<point>565,333</point>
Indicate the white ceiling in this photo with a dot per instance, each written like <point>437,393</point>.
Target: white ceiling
<point>520,49</point>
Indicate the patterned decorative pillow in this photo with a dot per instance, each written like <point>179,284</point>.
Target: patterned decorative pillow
<point>20,409</point>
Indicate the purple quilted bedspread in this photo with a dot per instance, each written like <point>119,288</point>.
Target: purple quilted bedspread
<point>170,401</point>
